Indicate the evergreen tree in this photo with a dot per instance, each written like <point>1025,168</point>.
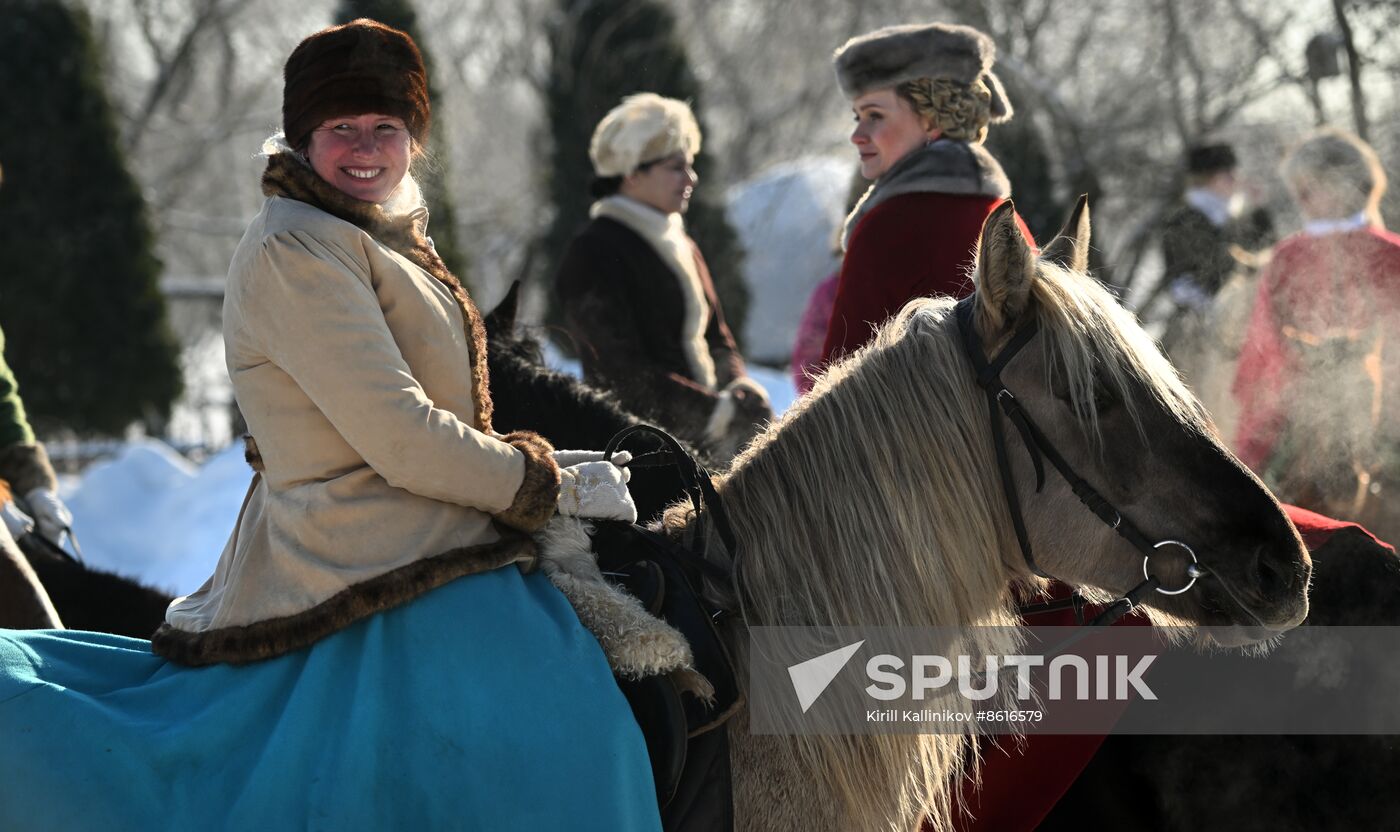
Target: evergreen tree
<point>434,181</point>
<point>84,321</point>
<point>603,50</point>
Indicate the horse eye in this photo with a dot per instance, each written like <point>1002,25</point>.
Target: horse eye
<point>1103,396</point>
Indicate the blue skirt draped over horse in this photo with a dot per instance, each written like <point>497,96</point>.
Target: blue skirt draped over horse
<point>481,705</point>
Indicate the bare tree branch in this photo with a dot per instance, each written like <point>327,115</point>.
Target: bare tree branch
<point>1358,96</point>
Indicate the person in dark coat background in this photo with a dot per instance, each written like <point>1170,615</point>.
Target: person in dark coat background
<point>25,473</point>
<point>1198,234</point>
<point>923,97</point>
<point>636,293</point>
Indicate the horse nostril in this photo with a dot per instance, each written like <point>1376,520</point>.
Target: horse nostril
<point>1278,572</point>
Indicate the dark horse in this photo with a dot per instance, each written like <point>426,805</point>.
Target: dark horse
<point>1246,783</point>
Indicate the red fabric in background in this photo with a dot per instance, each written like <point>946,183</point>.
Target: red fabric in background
<point>1317,528</point>
<point>1317,283</point>
<point>1021,784</point>
<point>910,246</point>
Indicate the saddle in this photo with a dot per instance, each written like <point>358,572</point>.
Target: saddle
<point>686,737</point>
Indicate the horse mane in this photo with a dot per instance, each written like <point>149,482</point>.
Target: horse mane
<point>874,501</point>
<point>838,509</point>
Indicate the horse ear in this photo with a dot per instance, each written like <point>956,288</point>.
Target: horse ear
<point>501,320</point>
<point>1070,248</point>
<point>1005,269</point>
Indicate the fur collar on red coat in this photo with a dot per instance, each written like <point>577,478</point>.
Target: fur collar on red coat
<point>288,176</point>
<point>944,167</point>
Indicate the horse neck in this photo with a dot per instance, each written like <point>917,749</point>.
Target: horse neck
<point>898,523</point>
<point>814,549</point>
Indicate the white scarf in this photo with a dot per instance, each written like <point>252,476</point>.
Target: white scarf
<point>666,234</point>
<point>1218,209</point>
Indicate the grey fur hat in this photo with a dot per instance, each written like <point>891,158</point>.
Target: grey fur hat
<point>890,56</point>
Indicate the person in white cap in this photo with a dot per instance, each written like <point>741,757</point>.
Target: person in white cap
<point>636,293</point>
<point>923,96</point>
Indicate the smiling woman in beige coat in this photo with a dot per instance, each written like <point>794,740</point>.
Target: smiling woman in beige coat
<point>373,649</point>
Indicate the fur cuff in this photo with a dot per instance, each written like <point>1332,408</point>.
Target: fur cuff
<point>535,502</point>
<point>278,636</point>
<point>26,467</point>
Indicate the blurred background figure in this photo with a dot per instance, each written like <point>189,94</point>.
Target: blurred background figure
<point>816,315</point>
<point>25,471</point>
<point>923,97</point>
<point>23,465</point>
<point>635,290</point>
<point>1200,235</point>
<point>1319,373</point>
<point>1209,251</point>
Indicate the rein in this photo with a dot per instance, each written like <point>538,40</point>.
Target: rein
<point>695,480</point>
<point>1000,400</point>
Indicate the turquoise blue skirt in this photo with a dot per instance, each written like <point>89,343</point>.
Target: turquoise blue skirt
<point>482,705</point>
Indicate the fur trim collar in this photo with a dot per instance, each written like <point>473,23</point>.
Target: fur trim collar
<point>943,167</point>
<point>666,234</point>
<point>289,177</point>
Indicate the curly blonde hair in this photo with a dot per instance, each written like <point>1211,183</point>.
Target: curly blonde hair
<point>960,111</point>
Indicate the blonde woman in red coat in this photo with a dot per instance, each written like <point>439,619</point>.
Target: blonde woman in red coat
<point>1318,372</point>
<point>923,97</point>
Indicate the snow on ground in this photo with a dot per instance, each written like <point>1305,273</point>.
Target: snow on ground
<point>150,514</point>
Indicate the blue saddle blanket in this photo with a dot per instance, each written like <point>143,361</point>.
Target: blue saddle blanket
<point>482,705</point>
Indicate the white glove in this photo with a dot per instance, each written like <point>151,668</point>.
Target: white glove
<point>50,514</point>
<point>566,459</point>
<point>16,522</point>
<point>596,490</point>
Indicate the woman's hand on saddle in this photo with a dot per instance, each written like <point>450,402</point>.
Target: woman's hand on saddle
<point>565,459</point>
<point>596,490</point>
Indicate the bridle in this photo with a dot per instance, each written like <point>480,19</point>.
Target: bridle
<point>1001,402</point>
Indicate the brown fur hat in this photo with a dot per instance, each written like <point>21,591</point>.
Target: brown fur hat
<point>360,67</point>
<point>890,56</point>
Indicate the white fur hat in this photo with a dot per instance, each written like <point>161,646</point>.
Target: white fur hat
<point>643,128</point>
<point>890,56</point>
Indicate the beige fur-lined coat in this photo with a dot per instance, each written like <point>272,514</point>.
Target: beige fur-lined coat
<point>359,364</point>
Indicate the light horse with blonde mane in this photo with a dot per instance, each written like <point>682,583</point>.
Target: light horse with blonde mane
<point>876,501</point>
